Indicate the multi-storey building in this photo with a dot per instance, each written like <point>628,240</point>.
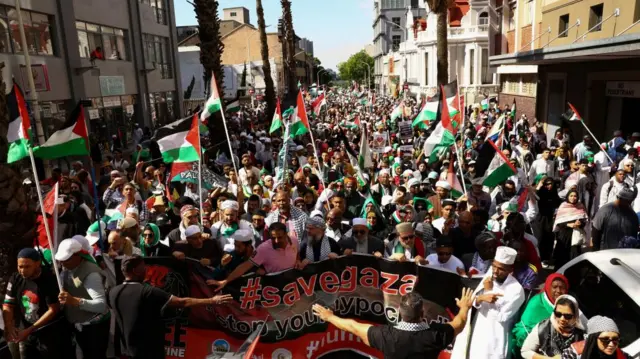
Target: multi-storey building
<point>390,29</point>
<point>118,54</point>
<point>586,53</point>
<point>472,24</point>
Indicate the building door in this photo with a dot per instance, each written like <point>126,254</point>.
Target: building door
<point>630,111</point>
<point>556,105</point>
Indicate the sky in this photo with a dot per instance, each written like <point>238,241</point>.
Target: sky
<point>338,28</point>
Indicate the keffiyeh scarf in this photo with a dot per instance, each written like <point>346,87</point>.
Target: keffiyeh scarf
<point>325,249</point>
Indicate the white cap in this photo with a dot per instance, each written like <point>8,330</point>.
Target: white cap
<point>230,204</point>
<point>388,149</point>
<point>242,235</point>
<point>414,182</point>
<point>384,171</point>
<point>358,222</point>
<point>67,248</point>
<point>443,184</point>
<point>386,199</point>
<point>191,230</point>
<point>132,210</point>
<point>94,237</point>
<point>83,242</point>
<point>506,255</point>
<point>407,173</point>
<point>299,148</point>
<point>316,213</point>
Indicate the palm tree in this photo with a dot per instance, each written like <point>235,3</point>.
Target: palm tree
<point>16,216</point>
<point>270,93</point>
<point>441,9</point>
<point>289,48</point>
<point>211,48</point>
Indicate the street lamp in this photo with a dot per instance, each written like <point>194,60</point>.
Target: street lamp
<point>368,73</point>
<point>404,59</point>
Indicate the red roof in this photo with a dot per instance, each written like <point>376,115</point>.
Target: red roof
<point>457,11</point>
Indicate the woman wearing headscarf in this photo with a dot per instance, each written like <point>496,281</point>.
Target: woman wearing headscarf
<point>548,202</point>
<point>553,335</point>
<point>603,342</point>
<point>150,245</point>
<point>569,229</point>
<point>539,308</point>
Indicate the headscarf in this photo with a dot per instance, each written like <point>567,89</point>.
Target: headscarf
<point>550,279</point>
<point>156,238</point>
<point>573,300</point>
<point>569,212</point>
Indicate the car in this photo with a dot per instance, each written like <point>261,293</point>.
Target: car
<point>607,282</point>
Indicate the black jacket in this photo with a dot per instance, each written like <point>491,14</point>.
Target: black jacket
<point>374,244</point>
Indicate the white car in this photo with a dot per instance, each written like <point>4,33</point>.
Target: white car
<point>607,283</point>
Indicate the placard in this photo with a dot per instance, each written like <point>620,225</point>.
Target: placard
<point>379,142</point>
<point>40,77</point>
<point>406,132</point>
<point>112,85</point>
<point>94,114</point>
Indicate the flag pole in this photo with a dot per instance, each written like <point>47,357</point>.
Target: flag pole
<point>594,137</point>
<point>464,185</point>
<point>197,121</point>
<point>44,216</point>
<point>313,142</point>
<point>226,130</point>
<point>93,182</point>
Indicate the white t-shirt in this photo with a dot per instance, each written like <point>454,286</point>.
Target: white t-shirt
<point>452,264</point>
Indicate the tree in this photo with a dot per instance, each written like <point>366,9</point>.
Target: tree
<point>289,49</point>
<point>17,218</point>
<point>189,90</point>
<point>211,48</point>
<point>270,91</point>
<point>355,68</point>
<point>243,80</point>
<point>441,9</point>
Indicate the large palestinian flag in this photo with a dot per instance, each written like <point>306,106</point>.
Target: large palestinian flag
<point>443,137</point>
<point>299,120</point>
<point>71,140</point>
<point>179,141</point>
<point>429,111</point>
<point>493,165</point>
<point>19,131</point>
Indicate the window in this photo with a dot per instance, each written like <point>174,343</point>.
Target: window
<point>159,10</point>
<point>512,19</point>
<point>486,76</point>
<point>595,17</point>
<point>483,19</point>
<point>111,41</point>
<point>472,60</point>
<point>528,12</point>
<point>233,14</point>
<point>415,4</point>
<point>426,69</point>
<point>157,51</point>
<point>395,20</point>
<point>37,31</point>
<point>563,26</point>
<point>393,4</point>
<point>395,42</point>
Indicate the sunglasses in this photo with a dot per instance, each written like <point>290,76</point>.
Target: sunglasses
<point>406,238</point>
<point>565,315</point>
<point>606,340</point>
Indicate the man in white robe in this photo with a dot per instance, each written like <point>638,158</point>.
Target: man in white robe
<point>498,299</point>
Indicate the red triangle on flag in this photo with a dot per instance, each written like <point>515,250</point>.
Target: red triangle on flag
<point>193,136</point>
<point>49,202</point>
<point>302,112</point>
<point>444,112</point>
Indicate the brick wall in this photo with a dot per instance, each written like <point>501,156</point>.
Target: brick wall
<point>524,104</point>
<point>511,42</point>
<point>525,38</point>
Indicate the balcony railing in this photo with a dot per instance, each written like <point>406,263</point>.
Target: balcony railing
<point>455,33</point>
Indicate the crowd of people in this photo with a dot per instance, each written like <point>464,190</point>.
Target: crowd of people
<point>295,201</point>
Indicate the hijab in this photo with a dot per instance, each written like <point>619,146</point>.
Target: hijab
<point>569,212</point>
<point>549,281</point>
<point>156,238</point>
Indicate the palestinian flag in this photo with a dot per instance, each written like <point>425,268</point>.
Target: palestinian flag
<point>484,104</point>
<point>493,165</point>
<point>299,123</point>
<point>19,131</point>
<point>276,123</point>
<point>317,105</point>
<point>513,109</point>
<point>356,120</point>
<point>456,188</point>
<point>365,156</point>
<point>522,199</point>
<point>234,106</point>
<point>397,112</point>
<point>214,103</point>
<point>71,140</point>
<point>179,141</point>
<point>430,109</point>
<point>572,114</point>
<point>443,137</point>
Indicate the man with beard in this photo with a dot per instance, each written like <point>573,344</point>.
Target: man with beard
<point>316,246</point>
<point>190,216</point>
<point>253,204</point>
<point>285,212</point>
<point>383,187</point>
<point>463,235</point>
<point>353,199</point>
<point>275,255</point>
<point>405,246</point>
<point>260,232</point>
<point>360,240</point>
<point>614,222</point>
<point>30,303</point>
<point>207,252</point>
<point>442,192</point>
<point>337,200</point>
<point>247,166</point>
<point>444,258</point>
<point>498,299</point>
<point>478,198</point>
<point>243,250</point>
<point>486,246</point>
<point>300,185</point>
<point>336,229</point>
<point>138,308</point>
<point>514,229</point>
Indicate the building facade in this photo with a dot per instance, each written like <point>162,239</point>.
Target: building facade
<point>390,29</point>
<point>306,45</point>
<point>586,53</point>
<point>472,25</point>
<point>120,55</point>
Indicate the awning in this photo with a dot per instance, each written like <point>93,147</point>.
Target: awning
<point>619,47</point>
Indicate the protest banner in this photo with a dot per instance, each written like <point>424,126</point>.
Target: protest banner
<point>379,142</point>
<point>406,131</point>
<point>358,286</point>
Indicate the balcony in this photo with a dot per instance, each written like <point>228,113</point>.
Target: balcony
<point>455,33</point>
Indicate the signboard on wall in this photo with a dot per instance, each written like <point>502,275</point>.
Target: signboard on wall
<point>40,77</point>
<point>623,89</point>
<point>112,85</point>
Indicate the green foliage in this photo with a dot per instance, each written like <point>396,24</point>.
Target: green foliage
<point>355,69</point>
<point>243,81</point>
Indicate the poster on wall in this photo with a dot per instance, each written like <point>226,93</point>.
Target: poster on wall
<point>40,78</point>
